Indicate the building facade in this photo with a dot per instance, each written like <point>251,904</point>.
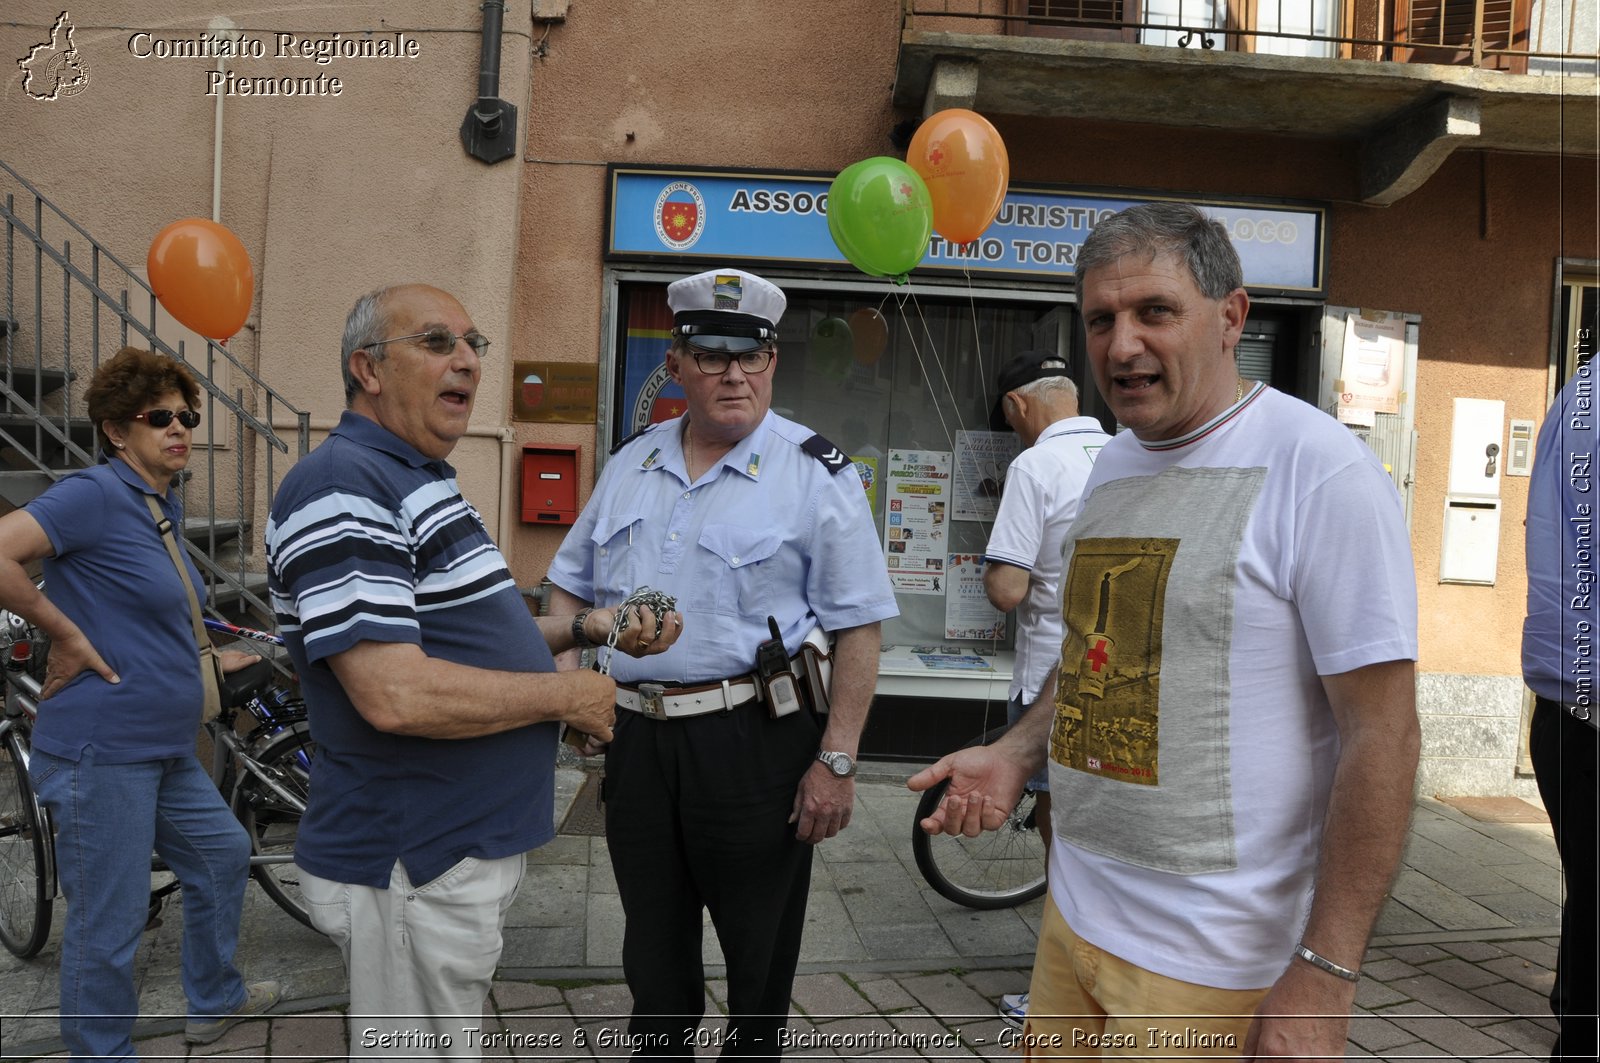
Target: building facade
<point>1414,190</point>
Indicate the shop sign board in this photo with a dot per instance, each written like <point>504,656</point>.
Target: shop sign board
<point>729,216</point>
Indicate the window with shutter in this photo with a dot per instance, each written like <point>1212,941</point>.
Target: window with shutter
<point>1450,23</point>
<point>1101,20</point>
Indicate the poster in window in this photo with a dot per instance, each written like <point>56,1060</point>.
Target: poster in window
<point>649,395</point>
<point>917,521</point>
<point>867,468</point>
<point>1373,364</point>
<point>981,462</point>
<point>967,613</point>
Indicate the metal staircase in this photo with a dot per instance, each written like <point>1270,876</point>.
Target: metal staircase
<point>68,303</point>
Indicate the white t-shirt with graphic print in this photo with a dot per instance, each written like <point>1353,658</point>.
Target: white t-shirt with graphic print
<point>1208,582</point>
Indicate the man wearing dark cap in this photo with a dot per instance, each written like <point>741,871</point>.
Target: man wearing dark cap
<point>719,780</point>
<point>1022,565</point>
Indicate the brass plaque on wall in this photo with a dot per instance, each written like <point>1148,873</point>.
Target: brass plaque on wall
<point>554,392</point>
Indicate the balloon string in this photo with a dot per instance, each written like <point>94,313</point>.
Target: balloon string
<point>910,296</point>
<point>922,364</point>
<point>977,340</point>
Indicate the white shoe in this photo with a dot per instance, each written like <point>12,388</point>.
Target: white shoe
<point>1014,1009</point>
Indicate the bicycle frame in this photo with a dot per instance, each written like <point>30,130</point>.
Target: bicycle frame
<point>24,749</point>
<point>23,696</point>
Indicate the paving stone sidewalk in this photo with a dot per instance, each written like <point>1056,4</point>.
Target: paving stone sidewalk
<point>1460,965</point>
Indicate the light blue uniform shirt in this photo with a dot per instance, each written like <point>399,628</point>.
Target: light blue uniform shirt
<point>768,530</point>
<point>1559,635</point>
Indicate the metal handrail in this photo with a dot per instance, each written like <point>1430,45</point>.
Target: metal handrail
<point>54,427</point>
<point>1002,11</point>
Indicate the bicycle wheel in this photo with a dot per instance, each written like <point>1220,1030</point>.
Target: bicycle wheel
<point>997,869</point>
<point>270,808</point>
<point>25,881</point>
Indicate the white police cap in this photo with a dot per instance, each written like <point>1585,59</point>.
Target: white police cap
<point>726,310</point>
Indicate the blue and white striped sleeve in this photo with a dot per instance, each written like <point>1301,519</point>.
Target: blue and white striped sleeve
<point>342,572</point>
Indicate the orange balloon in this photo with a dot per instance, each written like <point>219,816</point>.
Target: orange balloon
<point>963,161</point>
<point>869,335</point>
<point>201,273</point>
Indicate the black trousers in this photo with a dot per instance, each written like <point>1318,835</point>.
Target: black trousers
<point>697,820</point>
<point>1563,751</point>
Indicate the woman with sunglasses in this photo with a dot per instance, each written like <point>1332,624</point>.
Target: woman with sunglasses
<point>114,747</point>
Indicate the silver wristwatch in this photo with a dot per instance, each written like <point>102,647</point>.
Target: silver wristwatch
<point>843,765</point>
<point>579,638</point>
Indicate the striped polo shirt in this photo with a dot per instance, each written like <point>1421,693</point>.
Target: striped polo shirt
<point>370,540</point>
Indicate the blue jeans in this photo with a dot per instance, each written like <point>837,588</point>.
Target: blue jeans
<point>108,818</point>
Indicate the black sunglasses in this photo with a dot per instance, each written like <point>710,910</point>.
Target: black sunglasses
<point>162,418</point>
<point>440,340</point>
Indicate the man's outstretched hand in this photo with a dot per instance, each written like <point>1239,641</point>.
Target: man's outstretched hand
<point>985,785</point>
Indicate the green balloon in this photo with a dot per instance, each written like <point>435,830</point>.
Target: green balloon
<point>832,346</point>
<point>881,216</point>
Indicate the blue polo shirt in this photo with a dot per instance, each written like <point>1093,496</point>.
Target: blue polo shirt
<point>1559,651</point>
<point>370,540</point>
<point>112,576</point>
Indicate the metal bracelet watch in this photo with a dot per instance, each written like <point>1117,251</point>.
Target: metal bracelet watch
<point>843,765</point>
<point>579,639</point>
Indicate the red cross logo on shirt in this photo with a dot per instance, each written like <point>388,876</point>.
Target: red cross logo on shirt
<point>1097,655</point>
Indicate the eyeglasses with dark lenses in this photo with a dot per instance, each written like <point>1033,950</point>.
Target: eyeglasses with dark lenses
<point>715,363</point>
<point>440,340</point>
<point>163,418</point>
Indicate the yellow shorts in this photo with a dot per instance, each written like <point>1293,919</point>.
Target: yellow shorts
<point>1086,1002</point>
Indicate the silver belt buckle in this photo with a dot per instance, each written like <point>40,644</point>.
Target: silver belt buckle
<point>651,703</point>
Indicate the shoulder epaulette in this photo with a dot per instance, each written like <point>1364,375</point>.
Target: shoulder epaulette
<point>825,452</point>
<point>631,438</point>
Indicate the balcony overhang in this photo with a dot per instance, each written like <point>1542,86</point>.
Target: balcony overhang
<point>1406,118</point>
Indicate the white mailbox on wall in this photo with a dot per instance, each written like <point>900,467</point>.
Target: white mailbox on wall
<point>1470,550</point>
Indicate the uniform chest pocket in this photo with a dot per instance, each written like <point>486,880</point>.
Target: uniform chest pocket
<point>615,562</point>
<point>749,554</point>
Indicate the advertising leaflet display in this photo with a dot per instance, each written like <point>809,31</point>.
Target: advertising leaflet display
<point>967,613</point>
<point>981,462</point>
<point>916,524</point>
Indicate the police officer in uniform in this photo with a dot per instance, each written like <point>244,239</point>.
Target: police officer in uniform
<point>719,780</point>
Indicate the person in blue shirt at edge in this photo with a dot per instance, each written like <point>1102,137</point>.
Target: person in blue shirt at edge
<point>114,748</point>
<point>1234,738</point>
<point>432,692</point>
<point>1558,664</point>
<point>718,781</point>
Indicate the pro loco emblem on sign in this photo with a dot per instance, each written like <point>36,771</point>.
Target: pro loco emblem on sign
<point>680,215</point>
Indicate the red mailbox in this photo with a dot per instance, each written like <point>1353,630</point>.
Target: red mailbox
<point>549,483</point>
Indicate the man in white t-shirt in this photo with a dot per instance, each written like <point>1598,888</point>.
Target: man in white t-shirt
<point>1039,401</point>
<point>1233,740</point>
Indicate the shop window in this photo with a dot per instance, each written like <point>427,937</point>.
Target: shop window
<point>881,379</point>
